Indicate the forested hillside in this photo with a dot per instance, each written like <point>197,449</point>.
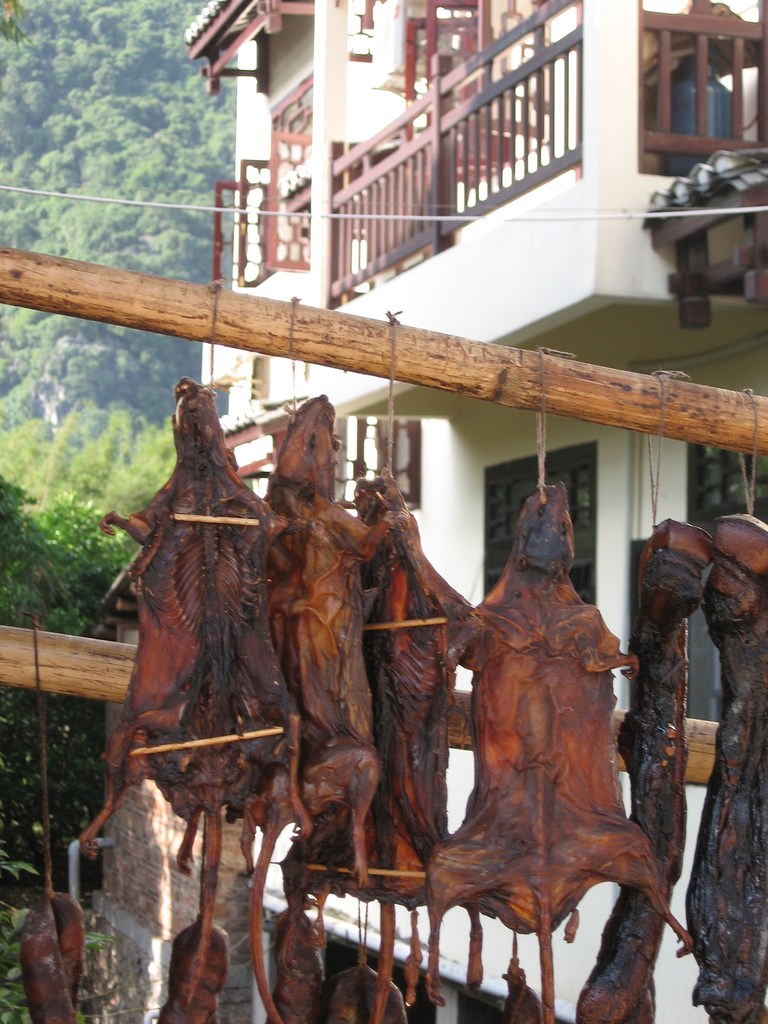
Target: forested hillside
<point>102,100</point>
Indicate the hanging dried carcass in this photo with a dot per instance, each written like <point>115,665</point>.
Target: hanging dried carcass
<point>201,1006</point>
<point>51,953</point>
<point>620,988</point>
<point>415,623</point>
<point>205,667</point>
<point>727,899</point>
<point>316,618</point>
<point>545,820</point>
<point>349,998</point>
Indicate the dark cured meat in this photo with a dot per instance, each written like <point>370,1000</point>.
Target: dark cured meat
<point>202,1006</point>
<point>205,666</point>
<point>316,617</point>
<point>51,953</point>
<point>545,821</point>
<point>300,969</point>
<point>727,900</point>
<point>349,997</point>
<point>412,674</point>
<point>522,1005</point>
<point>620,988</point>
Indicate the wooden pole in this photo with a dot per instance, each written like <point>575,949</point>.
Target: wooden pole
<point>101,670</point>
<point>493,373</point>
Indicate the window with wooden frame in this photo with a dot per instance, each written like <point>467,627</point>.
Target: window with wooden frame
<point>507,486</point>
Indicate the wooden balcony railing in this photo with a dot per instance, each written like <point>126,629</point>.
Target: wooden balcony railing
<point>497,125</point>
<point>703,86</point>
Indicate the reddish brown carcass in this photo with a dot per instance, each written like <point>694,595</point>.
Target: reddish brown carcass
<point>299,968</point>
<point>316,618</point>
<point>620,987</point>
<point>205,666</point>
<point>545,820</point>
<point>415,626</point>
<point>727,899</point>
<point>52,950</point>
<point>412,674</point>
<point>349,997</point>
<point>201,1007</point>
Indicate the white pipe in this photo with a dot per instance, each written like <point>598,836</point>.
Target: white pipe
<point>73,864</point>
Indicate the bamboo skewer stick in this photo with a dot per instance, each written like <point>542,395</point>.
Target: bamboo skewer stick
<point>438,620</point>
<point>493,373</point>
<point>188,517</point>
<point>387,872</point>
<point>208,741</point>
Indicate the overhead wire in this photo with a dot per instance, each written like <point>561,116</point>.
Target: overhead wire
<point>541,216</point>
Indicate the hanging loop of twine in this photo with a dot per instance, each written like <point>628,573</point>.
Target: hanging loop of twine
<point>750,483</point>
<point>294,305</point>
<point>541,416</point>
<point>394,323</point>
<point>42,730</point>
<point>215,287</point>
<point>654,472</point>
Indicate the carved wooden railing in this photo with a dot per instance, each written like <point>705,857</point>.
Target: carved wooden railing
<point>497,125</point>
<point>702,87</point>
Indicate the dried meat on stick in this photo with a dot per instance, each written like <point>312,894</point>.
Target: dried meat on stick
<point>545,820</point>
<point>202,1005</point>
<point>51,953</point>
<point>415,623</point>
<point>205,667</point>
<point>620,988</point>
<point>415,626</point>
<point>316,618</point>
<point>727,899</point>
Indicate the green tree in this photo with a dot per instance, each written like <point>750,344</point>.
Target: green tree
<point>69,565</point>
<point>10,18</point>
<point>109,459</point>
<point>103,101</point>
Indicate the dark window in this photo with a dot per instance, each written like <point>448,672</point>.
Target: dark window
<point>477,1011</point>
<point>716,487</point>
<point>507,487</point>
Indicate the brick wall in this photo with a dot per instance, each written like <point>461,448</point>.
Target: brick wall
<point>146,901</point>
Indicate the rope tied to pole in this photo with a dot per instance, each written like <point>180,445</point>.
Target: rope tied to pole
<point>294,305</point>
<point>655,472</point>
<point>394,323</point>
<point>750,484</point>
<point>215,287</point>
<point>541,415</point>
<point>43,734</point>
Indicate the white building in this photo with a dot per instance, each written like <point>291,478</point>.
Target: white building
<point>484,171</point>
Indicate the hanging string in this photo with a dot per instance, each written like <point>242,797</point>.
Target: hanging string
<point>215,287</point>
<point>294,304</point>
<point>394,323</point>
<point>655,472</point>
<point>541,416</point>
<point>751,483</point>
<point>40,701</point>
<point>362,937</point>
<point>541,427</point>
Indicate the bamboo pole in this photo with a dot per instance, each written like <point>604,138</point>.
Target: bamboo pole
<point>101,670</point>
<point>494,373</point>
